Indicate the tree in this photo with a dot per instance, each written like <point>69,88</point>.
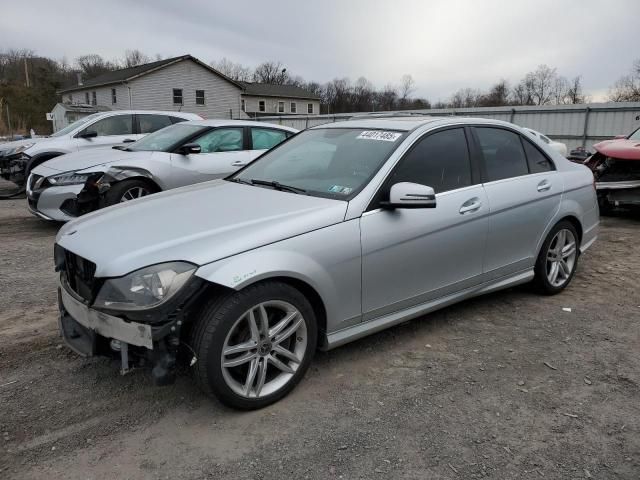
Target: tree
<point>497,96</point>
<point>627,87</point>
<point>93,65</point>
<point>235,71</point>
<point>133,58</point>
<point>575,94</point>
<point>271,72</point>
<point>407,87</point>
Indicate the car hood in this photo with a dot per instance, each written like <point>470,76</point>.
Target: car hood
<point>200,224</point>
<point>89,158</point>
<point>623,149</point>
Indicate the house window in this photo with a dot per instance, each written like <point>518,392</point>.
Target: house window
<point>309,107</point>
<point>86,98</point>
<point>199,97</point>
<point>242,107</point>
<point>294,107</point>
<point>114,99</point>
<point>261,106</point>
<point>280,107</point>
<point>94,99</point>
<point>177,96</point>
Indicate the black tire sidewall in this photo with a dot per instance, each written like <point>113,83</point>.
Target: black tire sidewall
<point>225,317</point>
<point>541,263</point>
<point>114,194</point>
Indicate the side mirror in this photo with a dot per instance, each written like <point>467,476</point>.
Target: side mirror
<point>410,195</point>
<point>189,148</point>
<point>88,134</point>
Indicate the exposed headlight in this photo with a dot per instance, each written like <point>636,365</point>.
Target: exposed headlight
<point>70,178</point>
<point>144,288</point>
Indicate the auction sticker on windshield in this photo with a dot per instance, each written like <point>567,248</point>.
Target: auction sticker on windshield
<point>379,135</point>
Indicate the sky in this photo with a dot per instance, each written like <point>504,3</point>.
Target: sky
<point>444,44</point>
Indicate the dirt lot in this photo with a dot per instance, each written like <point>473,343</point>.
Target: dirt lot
<point>506,386</point>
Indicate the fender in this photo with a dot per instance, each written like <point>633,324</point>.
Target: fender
<point>42,157</point>
<point>119,173</point>
<point>332,273</point>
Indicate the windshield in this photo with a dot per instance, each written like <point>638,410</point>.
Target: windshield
<point>330,162</point>
<point>76,124</point>
<point>165,139</point>
<point>635,135</point>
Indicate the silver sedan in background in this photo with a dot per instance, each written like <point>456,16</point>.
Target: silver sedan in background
<point>181,154</point>
<point>341,231</point>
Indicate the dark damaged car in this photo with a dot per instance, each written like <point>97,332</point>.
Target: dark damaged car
<point>616,168</point>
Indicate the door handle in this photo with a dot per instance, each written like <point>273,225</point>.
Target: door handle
<point>238,164</point>
<point>469,206</point>
<point>128,140</point>
<point>543,186</point>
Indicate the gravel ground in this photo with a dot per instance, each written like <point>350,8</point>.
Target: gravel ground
<point>504,386</point>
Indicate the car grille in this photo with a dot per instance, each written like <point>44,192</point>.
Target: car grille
<point>78,272</point>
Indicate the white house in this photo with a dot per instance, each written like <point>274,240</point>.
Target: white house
<point>186,84</point>
<point>175,84</point>
<point>259,99</point>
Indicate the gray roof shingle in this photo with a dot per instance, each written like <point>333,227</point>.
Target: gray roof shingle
<point>124,74</point>
<point>271,90</point>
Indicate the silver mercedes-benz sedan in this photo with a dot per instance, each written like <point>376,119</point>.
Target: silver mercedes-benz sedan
<point>338,232</point>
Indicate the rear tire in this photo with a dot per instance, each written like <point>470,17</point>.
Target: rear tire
<point>558,259</point>
<point>248,364</point>
<point>128,190</point>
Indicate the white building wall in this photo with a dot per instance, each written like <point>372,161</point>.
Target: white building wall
<point>154,91</point>
<point>271,105</point>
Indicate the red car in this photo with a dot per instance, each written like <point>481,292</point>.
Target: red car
<point>616,168</point>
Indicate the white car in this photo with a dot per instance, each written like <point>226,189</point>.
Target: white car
<point>559,147</point>
<point>182,154</point>
<point>102,129</point>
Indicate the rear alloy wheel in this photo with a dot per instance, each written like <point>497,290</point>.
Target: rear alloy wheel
<point>558,258</point>
<point>254,346</point>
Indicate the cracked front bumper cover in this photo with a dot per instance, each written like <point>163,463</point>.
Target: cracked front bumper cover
<point>99,323</point>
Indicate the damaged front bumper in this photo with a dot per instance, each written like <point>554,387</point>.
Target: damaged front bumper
<point>619,194</point>
<point>138,341</point>
<point>13,168</point>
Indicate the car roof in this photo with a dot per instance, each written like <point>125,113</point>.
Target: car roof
<point>149,112</point>
<point>410,122</point>
<point>238,123</point>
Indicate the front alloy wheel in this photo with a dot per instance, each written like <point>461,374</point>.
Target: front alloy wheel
<point>263,349</point>
<point>254,345</point>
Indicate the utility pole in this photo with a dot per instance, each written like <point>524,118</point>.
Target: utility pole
<point>26,72</point>
<point>9,120</point>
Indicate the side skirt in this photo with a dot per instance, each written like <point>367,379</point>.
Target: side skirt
<point>349,334</point>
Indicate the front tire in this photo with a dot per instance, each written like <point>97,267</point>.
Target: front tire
<point>128,190</point>
<point>253,346</point>
<point>558,259</point>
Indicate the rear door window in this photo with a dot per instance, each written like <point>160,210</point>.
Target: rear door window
<point>502,152</point>
<point>151,123</point>
<point>266,138</point>
<point>538,162</point>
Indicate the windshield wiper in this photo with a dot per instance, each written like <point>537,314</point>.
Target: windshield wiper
<point>278,186</point>
<point>240,180</point>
